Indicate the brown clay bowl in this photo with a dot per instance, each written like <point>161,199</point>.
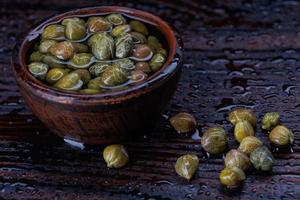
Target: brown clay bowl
<point>101,118</point>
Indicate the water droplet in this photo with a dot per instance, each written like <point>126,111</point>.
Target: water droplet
<point>196,135</point>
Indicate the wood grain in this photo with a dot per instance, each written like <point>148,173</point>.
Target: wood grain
<point>236,54</point>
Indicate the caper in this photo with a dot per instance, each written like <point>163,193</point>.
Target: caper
<point>54,31</point>
<point>139,27</point>
<point>214,140</point>
<point>75,30</point>
<point>73,19</point>
<point>38,69</point>
<point>143,66</point>
<point>116,19</point>
<point>115,156</point>
<point>102,46</point>
<point>187,165</point>
<point>241,114</point>
<point>138,75</point>
<point>89,91</point>
<point>63,50</point>
<point>120,30</point>
<point>81,60</point>
<point>262,159</point>
<point>232,176</point>
<point>154,43</point>
<point>183,122</point>
<point>45,45</point>
<point>138,38</point>
<point>163,52</point>
<point>55,74</point>
<point>95,83</point>
<point>114,76</point>
<point>270,120</point>
<point>36,56</point>
<point>98,68</point>
<point>52,61</point>
<point>249,144</point>
<point>124,45</point>
<point>157,62</point>
<point>234,158</point>
<point>84,75</point>
<point>141,51</point>
<point>125,63</point>
<point>281,136</point>
<point>243,129</point>
<point>81,48</point>
<point>98,24</point>
<point>70,82</point>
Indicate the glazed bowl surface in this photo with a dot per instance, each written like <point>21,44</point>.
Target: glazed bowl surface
<point>107,117</point>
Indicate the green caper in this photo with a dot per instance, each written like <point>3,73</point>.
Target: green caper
<point>102,46</point>
<point>143,66</point>
<point>249,144</point>
<point>115,156</point>
<point>98,24</point>
<point>81,48</point>
<point>187,165</point>
<point>138,38</point>
<point>243,129</point>
<point>139,27</point>
<point>55,74</point>
<point>73,19</point>
<point>214,140</point>
<point>38,69</point>
<point>95,83</point>
<point>125,63</point>
<point>241,114</point>
<point>52,61</point>
<point>89,91</point>
<point>71,82</point>
<point>84,75</point>
<point>45,45</point>
<point>232,177</point>
<point>75,30</point>
<point>183,122</point>
<point>54,31</point>
<point>98,68</point>
<point>234,158</point>
<point>124,45</point>
<point>270,120</point>
<point>36,56</point>
<point>63,50</point>
<point>116,19</point>
<point>81,60</point>
<point>142,51</point>
<point>154,43</point>
<point>281,136</point>
<point>157,62</point>
<point>262,159</point>
<point>120,30</point>
<point>114,76</point>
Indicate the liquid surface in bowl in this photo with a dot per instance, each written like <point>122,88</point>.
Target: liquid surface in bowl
<point>97,54</point>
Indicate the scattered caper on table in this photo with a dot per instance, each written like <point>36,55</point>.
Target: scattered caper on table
<point>187,165</point>
<point>242,114</point>
<point>110,47</point>
<point>214,140</point>
<point>249,144</point>
<point>232,176</point>
<point>270,120</point>
<point>243,129</point>
<point>183,122</point>
<point>262,159</point>
<point>281,136</point>
<point>115,156</point>
<point>234,158</point>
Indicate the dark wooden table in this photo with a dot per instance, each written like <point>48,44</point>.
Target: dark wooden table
<point>236,54</point>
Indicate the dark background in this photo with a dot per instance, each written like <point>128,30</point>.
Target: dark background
<point>237,53</point>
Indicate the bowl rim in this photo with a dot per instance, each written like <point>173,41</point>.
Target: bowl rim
<point>171,66</point>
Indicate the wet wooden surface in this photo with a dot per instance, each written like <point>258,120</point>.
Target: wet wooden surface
<point>236,54</point>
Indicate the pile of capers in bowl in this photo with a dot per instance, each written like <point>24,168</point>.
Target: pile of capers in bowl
<point>97,54</point>
<point>251,150</point>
